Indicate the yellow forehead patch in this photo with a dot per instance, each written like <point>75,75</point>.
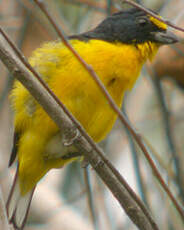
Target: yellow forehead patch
<point>158,23</point>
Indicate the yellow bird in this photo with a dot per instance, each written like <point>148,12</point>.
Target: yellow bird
<point>116,49</point>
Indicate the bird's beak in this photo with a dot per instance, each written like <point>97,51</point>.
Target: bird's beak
<point>165,37</point>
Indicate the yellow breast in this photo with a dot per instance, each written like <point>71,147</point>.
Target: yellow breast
<point>117,65</point>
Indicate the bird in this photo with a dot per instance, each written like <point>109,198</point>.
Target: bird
<point>116,49</point>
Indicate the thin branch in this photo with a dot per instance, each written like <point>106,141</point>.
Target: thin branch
<point>159,159</point>
<point>90,200</point>
<point>169,137</point>
<point>136,162</point>
<point>114,107</point>
<point>63,118</point>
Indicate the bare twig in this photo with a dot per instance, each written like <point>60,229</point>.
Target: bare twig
<point>136,163</point>
<point>89,194</point>
<point>63,118</point>
<point>170,139</point>
<point>114,107</point>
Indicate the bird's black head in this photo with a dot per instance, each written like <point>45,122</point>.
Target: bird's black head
<point>130,26</point>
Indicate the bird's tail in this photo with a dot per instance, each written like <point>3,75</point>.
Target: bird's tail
<point>18,205</point>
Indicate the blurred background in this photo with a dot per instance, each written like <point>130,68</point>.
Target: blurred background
<point>155,108</point>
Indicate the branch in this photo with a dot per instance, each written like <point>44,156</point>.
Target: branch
<point>64,119</point>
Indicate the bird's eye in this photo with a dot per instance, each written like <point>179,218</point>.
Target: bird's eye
<point>142,21</point>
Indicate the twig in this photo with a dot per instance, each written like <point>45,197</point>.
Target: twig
<point>63,118</point>
<point>136,163</point>
<point>90,200</point>
<point>159,159</point>
<point>114,107</point>
<point>168,132</point>
<point>3,217</point>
